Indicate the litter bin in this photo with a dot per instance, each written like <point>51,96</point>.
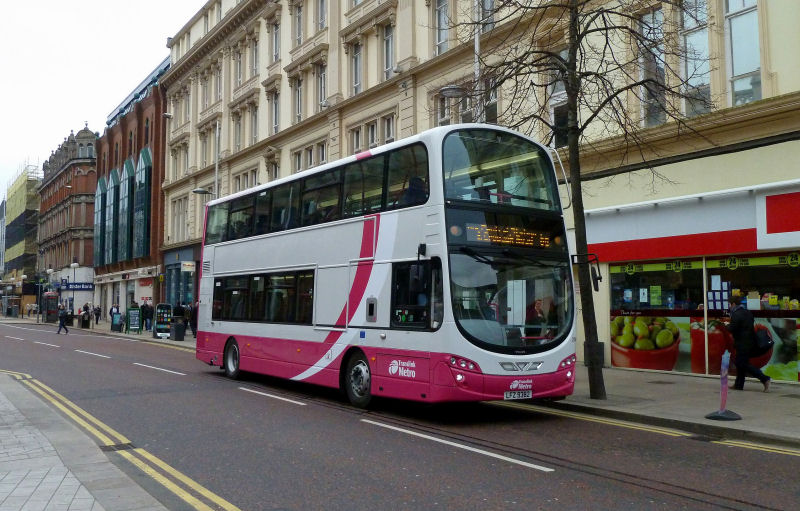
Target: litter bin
<point>177,330</point>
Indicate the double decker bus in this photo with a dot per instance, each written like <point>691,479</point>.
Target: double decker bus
<point>434,268</point>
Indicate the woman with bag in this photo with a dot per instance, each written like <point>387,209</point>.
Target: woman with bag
<point>744,339</point>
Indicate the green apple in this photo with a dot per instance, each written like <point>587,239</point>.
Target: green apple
<point>664,338</point>
<point>644,344</point>
<point>626,340</point>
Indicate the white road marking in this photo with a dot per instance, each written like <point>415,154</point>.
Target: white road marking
<point>90,353</point>
<point>272,396</point>
<point>158,369</point>
<point>460,446</point>
<point>15,338</point>
<point>47,344</point>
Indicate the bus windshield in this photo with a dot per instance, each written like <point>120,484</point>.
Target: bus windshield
<point>510,276</point>
<point>494,167</point>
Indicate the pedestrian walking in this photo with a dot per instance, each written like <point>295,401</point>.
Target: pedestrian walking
<point>62,318</point>
<point>744,340</point>
<point>193,318</point>
<point>97,311</point>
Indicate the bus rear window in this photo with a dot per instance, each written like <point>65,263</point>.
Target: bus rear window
<point>217,225</point>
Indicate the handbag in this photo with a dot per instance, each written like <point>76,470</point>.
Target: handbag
<point>763,342</point>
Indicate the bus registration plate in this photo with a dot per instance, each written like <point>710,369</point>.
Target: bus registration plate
<point>517,394</point>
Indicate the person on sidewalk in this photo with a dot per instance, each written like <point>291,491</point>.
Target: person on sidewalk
<point>744,339</point>
<point>62,318</point>
<point>97,311</point>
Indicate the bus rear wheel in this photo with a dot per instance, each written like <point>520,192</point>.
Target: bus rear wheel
<point>357,381</point>
<point>230,361</point>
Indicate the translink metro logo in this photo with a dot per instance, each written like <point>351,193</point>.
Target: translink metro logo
<point>521,385</point>
<point>403,368</point>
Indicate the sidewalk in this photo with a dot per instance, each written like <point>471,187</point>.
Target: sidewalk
<point>47,463</point>
<point>681,401</point>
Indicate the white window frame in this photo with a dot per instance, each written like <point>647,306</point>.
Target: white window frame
<point>297,102</point>
<point>322,14</point>
<point>355,139</point>
<point>356,65</point>
<point>322,152</point>
<point>647,20</point>
<point>276,41</point>
<point>254,57</point>
<point>238,67</point>
<point>275,111</point>
<point>744,8</point>
<point>388,128</point>
<point>441,26</point>
<point>442,111</point>
<point>322,93</point>
<point>253,124</point>
<point>388,51</point>
<point>298,25</point>
<point>695,23</point>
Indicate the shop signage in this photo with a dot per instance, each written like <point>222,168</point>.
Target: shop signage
<point>146,282</point>
<point>78,286</point>
<point>187,266</point>
<point>633,268</point>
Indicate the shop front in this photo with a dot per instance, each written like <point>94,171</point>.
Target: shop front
<point>181,275</point>
<point>126,288</point>
<point>668,294</point>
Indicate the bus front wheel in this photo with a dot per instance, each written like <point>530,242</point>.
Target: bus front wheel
<point>358,382</point>
<point>230,361</point>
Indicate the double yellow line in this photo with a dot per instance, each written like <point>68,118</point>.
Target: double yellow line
<point>173,480</point>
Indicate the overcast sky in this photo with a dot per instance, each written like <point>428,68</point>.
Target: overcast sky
<point>67,63</point>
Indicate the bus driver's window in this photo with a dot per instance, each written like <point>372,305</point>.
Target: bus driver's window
<point>417,294</point>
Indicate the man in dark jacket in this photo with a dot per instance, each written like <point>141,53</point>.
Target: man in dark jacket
<point>744,339</point>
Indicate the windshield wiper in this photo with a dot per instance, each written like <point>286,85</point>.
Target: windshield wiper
<point>478,257</point>
<point>530,259</point>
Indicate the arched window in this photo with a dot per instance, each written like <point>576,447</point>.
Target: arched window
<point>125,221</point>
<point>99,222</point>
<point>112,212</point>
<point>141,204</point>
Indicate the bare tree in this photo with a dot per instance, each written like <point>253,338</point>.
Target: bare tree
<point>574,71</point>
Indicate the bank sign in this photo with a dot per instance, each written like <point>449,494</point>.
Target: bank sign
<point>78,286</point>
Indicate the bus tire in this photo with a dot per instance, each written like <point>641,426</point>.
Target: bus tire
<point>230,360</point>
<point>358,381</point>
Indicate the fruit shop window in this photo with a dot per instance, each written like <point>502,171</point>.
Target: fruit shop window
<point>670,285</point>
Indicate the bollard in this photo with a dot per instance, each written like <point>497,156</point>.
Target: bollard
<point>723,414</point>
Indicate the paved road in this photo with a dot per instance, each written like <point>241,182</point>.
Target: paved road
<point>262,443</point>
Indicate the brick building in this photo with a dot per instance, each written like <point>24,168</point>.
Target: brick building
<point>128,220</point>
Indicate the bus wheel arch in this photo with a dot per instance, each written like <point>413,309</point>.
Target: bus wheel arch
<point>231,359</point>
<point>356,378</point>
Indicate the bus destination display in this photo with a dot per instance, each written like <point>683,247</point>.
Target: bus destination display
<point>507,235</point>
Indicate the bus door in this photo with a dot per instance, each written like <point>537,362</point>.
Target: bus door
<point>206,293</point>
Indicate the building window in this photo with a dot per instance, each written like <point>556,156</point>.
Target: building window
<point>322,151</point>
<point>388,128</point>
<point>355,64</point>
<point>651,47</point>
<point>355,139</point>
<point>275,113</point>
<point>322,14</point>
<point>322,93</point>
<point>487,15</point>
<point>697,65</point>
<point>442,111</point>
<point>466,112</point>
<point>309,157</point>
<point>298,25</point>
<point>490,101</point>
<point>388,51</point>
<point>274,172</point>
<point>298,100</point>
<point>237,132</point>
<point>744,70</point>
<point>206,95</point>
<point>185,160</point>
<point>254,57</point>
<point>253,125</point>
<point>298,161</point>
<point>276,42</point>
<point>180,208</point>
<point>237,59</point>
<point>205,22</point>
<point>204,150</point>
<point>372,134</point>
<point>219,84</point>
<point>441,26</point>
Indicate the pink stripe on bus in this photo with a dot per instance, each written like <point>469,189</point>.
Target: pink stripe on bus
<point>363,154</point>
